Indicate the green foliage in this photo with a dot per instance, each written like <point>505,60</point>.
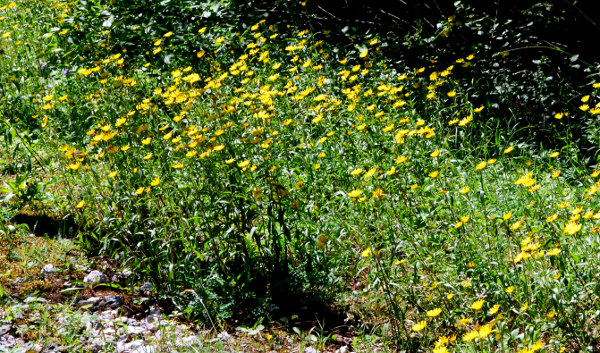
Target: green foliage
<point>240,164</point>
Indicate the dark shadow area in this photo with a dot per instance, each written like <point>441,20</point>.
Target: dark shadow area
<point>45,225</point>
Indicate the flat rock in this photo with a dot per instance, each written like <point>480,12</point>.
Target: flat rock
<point>89,301</point>
<point>4,329</point>
<point>112,301</point>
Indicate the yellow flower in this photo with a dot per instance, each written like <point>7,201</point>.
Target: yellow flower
<point>155,181</point>
<point>509,149</point>
<point>366,252</point>
<point>506,216</point>
<point>571,228</point>
<point>464,190</point>
<point>478,304</point>
<point>80,204</point>
<point>355,193</point>
<point>515,225</point>
<point>556,174</point>
<point>177,165</point>
<point>434,312</point>
<point>553,252</point>
<point>419,326</point>
<point>485,331</point>
<point>471,335</point>
<point>559,116</point>
<point>434,174</point>
<point>378,194</point>
<point>525,307</point>
<point>140,190</point>
<point>113,174</point>
<point>146,141</point>
<point>451,94</point>
<point>364,53</point>
<point>356,171</point>
<point>554,154</point>
<point>552,218</point>
<point>494,309</point>
<point>481,165</point>
<point>244,164</point>
<point>435,153</point>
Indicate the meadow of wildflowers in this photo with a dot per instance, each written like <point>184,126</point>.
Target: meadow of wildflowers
<point>238,167</point>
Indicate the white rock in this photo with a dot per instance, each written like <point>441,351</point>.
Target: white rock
<point>223,336</point>
<point>47,269</point>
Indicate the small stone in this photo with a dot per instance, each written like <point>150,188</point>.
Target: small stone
<point>38,347</point>
<point>310,350</point>
<point>146,287</point>
<point>89,301</point>
<point>4,330</point>
<point>343,349</point>
<point>47,269</point>
<point>223,336</point>
<point>112,301</point>
<point>154,316</point>
<point>95,277</point>
<point>135,330</point>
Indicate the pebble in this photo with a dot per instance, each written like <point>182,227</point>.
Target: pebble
<point>47,269</point>
<point>89,301</point>
<point>109,330</point>
<point>95,277</point>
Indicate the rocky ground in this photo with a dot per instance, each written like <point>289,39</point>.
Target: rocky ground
<point>55,299</point>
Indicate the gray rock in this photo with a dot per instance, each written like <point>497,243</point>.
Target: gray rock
<point>47,269</point>
<point>135,330</point>
<point>4,329</point>
<point>89,301</point>
<point>95,277</point>
<point>223,336</point>
<point>154,316</point>
<point>146,287</point>
<point>112,301</point>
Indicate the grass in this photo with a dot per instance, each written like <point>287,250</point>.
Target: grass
<point>242,167</point>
